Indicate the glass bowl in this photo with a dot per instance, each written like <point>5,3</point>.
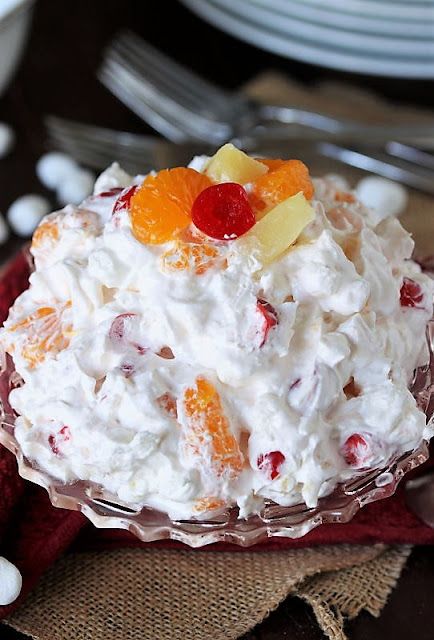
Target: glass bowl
<point>105,510</point>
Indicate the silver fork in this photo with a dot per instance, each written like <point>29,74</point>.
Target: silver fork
<point>98,147</point>
<point>181,105</point>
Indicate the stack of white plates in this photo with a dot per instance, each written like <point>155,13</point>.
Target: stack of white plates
<point>378,37</point>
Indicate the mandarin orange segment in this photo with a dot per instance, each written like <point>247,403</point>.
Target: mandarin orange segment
<point>202,505</point>
<point>47,232</point>
<point>44,333</point>
<point>161,207</point>
<point>208,435</point>
<point>167,402</point>
<point>271,163</point>
<point>196,258</point>
<point>280,183</point>
<point>344,219</point>
<point>258,205</point>
<point>344,196</point>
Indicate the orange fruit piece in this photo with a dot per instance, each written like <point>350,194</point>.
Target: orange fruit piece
<point>161,207</point>
<point>43,333</point>
<point>344,219</point>
<point>271,163</point>
<point>343,196</point>
<point>258,205</point>
<point>167,402</point>
<point>197,258</point>
<point>47,232</point>
<point>208,504</point>
<point>282,181</point>
<point>208,434</point>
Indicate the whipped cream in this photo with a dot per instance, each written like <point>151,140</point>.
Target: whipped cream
<point>312,399</point>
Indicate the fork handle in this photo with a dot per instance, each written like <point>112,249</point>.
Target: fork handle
<point>367,157</point>
<point>343,129</point>
<point>379,163</point>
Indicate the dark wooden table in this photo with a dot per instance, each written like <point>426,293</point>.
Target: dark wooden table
<point>58,76</point>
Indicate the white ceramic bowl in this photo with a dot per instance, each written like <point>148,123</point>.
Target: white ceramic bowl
<point>15,16</point>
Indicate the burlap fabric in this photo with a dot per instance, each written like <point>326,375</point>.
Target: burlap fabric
<point>339,595</point>
<point>185,595</point>
<point>134,594</point>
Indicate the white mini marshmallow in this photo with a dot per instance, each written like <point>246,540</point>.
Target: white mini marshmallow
<point>7,139</point>
<point>4,230</point>
<point>26,212</point>
<point>76,187</point>
<point>385,197</point>
<point>340,182</point>
<point>54,167</point>
<point>10,582</point>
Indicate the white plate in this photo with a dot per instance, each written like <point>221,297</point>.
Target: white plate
<point>307,52</point>
<point>392,11</point>
<point>407,2</point>
<point>386,46</point>
<point>350,21</point>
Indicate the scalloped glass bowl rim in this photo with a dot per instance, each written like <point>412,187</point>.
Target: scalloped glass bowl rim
<point>340,506</point>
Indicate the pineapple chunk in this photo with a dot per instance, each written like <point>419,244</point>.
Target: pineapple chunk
<point>230,164</point>
<point>278,229</point>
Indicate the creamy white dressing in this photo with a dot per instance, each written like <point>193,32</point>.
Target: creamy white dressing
<point>92,410</point>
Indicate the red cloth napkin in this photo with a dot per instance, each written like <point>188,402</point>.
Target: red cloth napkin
<point>33,534</point>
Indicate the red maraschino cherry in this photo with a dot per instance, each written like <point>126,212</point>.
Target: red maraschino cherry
<point>223,212</point>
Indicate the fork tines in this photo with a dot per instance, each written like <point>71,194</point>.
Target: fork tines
<point>98,147</point>
<point>169,97</point>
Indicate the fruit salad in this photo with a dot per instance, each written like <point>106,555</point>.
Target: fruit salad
<point>220,335</point>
